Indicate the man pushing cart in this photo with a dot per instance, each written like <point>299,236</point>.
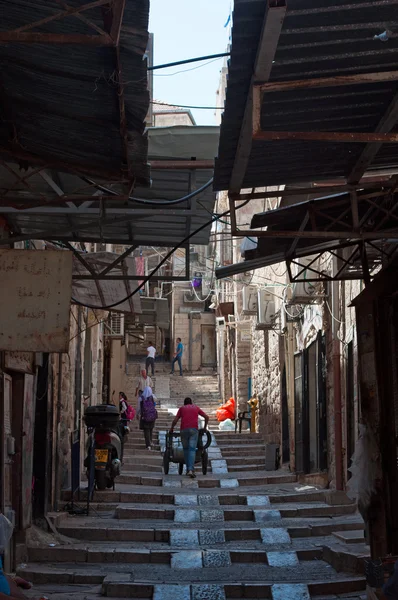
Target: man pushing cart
<point>191,438</point>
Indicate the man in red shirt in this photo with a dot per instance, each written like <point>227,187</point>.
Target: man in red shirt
<point>189,431</point>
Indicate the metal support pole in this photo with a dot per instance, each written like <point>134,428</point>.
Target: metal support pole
<point>336,360</point>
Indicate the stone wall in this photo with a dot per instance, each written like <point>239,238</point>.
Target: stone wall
<point>68,401</point>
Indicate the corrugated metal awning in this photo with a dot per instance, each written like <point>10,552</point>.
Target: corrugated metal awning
<point>360,228</point>
<point>101,292</point>
<point>104,218</point>
<point>289,47</point>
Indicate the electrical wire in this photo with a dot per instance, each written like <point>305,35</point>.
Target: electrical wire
<point>331,314</point>
<point>152,202</point>
<point>185,70</point>
<point>187,106</point>
<point>188,60</point>
<point>148,277</point>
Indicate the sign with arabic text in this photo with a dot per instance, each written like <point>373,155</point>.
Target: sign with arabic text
<point>35,295</point>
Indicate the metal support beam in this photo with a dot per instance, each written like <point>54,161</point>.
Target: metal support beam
<point>323,136</point>
<point>272,27</point>
<point>128,278</point>
<point>181,164</point>
<point>7,37</point>
<point>322,82</point>
<point>117,19</point>
<point>16,155</point>
<point>305,191</point>
<point>388,121</point>
<point>322,234</point>
<point>118,260</point>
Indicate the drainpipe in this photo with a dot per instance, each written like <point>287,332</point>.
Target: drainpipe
<point>336,360</point>
<point>190,343</point>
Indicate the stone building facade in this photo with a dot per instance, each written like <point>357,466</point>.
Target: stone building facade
<point>302,367</point>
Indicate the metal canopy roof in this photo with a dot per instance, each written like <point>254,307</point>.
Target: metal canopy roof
<point>362,226</point>
<point>308,85</point>
<point>74,86</point>
<point>48,205</point>
<point>102,291</point>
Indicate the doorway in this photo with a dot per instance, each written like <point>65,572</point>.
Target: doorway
<point>285,420</point>
<point>310,408</point>
<point>208,333</point>
<point>350,406</point>
<point>42,441</point>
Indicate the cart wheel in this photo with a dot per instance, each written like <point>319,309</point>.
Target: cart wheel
<point>166,463</point>
<point>205,460</point>
<point>180,468</point>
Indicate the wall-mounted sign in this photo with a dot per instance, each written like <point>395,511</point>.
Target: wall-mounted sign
<point>19,361</point>
<point>35,300</point>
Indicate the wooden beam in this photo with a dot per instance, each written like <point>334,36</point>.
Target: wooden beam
<point>388,121</point>
<point>271,30</point>
<point>55,38</point>
<point>321,82</point>
<point>326,136</point>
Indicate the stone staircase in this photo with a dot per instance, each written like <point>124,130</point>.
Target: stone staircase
<point>239,532</point>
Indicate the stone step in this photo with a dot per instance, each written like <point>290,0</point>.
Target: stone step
<point>94,554</point>
<point>351,537</point>
<point>244,460</point>
<point>272,534</point>
<point>293,502</point>
<point>211,583</point>
<point>255,479</point>
<point>228,513</point>
<point>243,450</point>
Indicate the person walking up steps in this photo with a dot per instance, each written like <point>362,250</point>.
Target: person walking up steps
<point>150,359</point>
<point>177,357</point>
<point>143,382</point>
<point>147,415</point>
<point>189,414</point>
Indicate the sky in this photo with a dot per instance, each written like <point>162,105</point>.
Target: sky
<point>186,29</point>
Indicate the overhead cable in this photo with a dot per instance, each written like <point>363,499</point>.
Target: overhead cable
<point>152,202</point>
<point>187,106</point>
<point>188,60</point>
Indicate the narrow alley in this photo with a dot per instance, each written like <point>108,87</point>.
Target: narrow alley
<point>199,212</point>
<point>239,532</point>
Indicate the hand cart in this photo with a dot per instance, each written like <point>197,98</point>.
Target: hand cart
<point>174,451</point>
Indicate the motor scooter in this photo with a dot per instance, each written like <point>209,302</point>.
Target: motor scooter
<point>106,435</point>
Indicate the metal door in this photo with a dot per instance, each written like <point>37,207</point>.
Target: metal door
<point>285,420</point>
<point>208,345</point>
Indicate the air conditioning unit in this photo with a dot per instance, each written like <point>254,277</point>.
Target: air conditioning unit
<point>250,300</point>
<point>306,292</point>
<point>266,314</point>
<point>116,325</point>
<point>148,305</point>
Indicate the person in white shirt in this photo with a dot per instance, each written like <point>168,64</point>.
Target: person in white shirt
<point>143,382</point>
<point>150,359</point>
